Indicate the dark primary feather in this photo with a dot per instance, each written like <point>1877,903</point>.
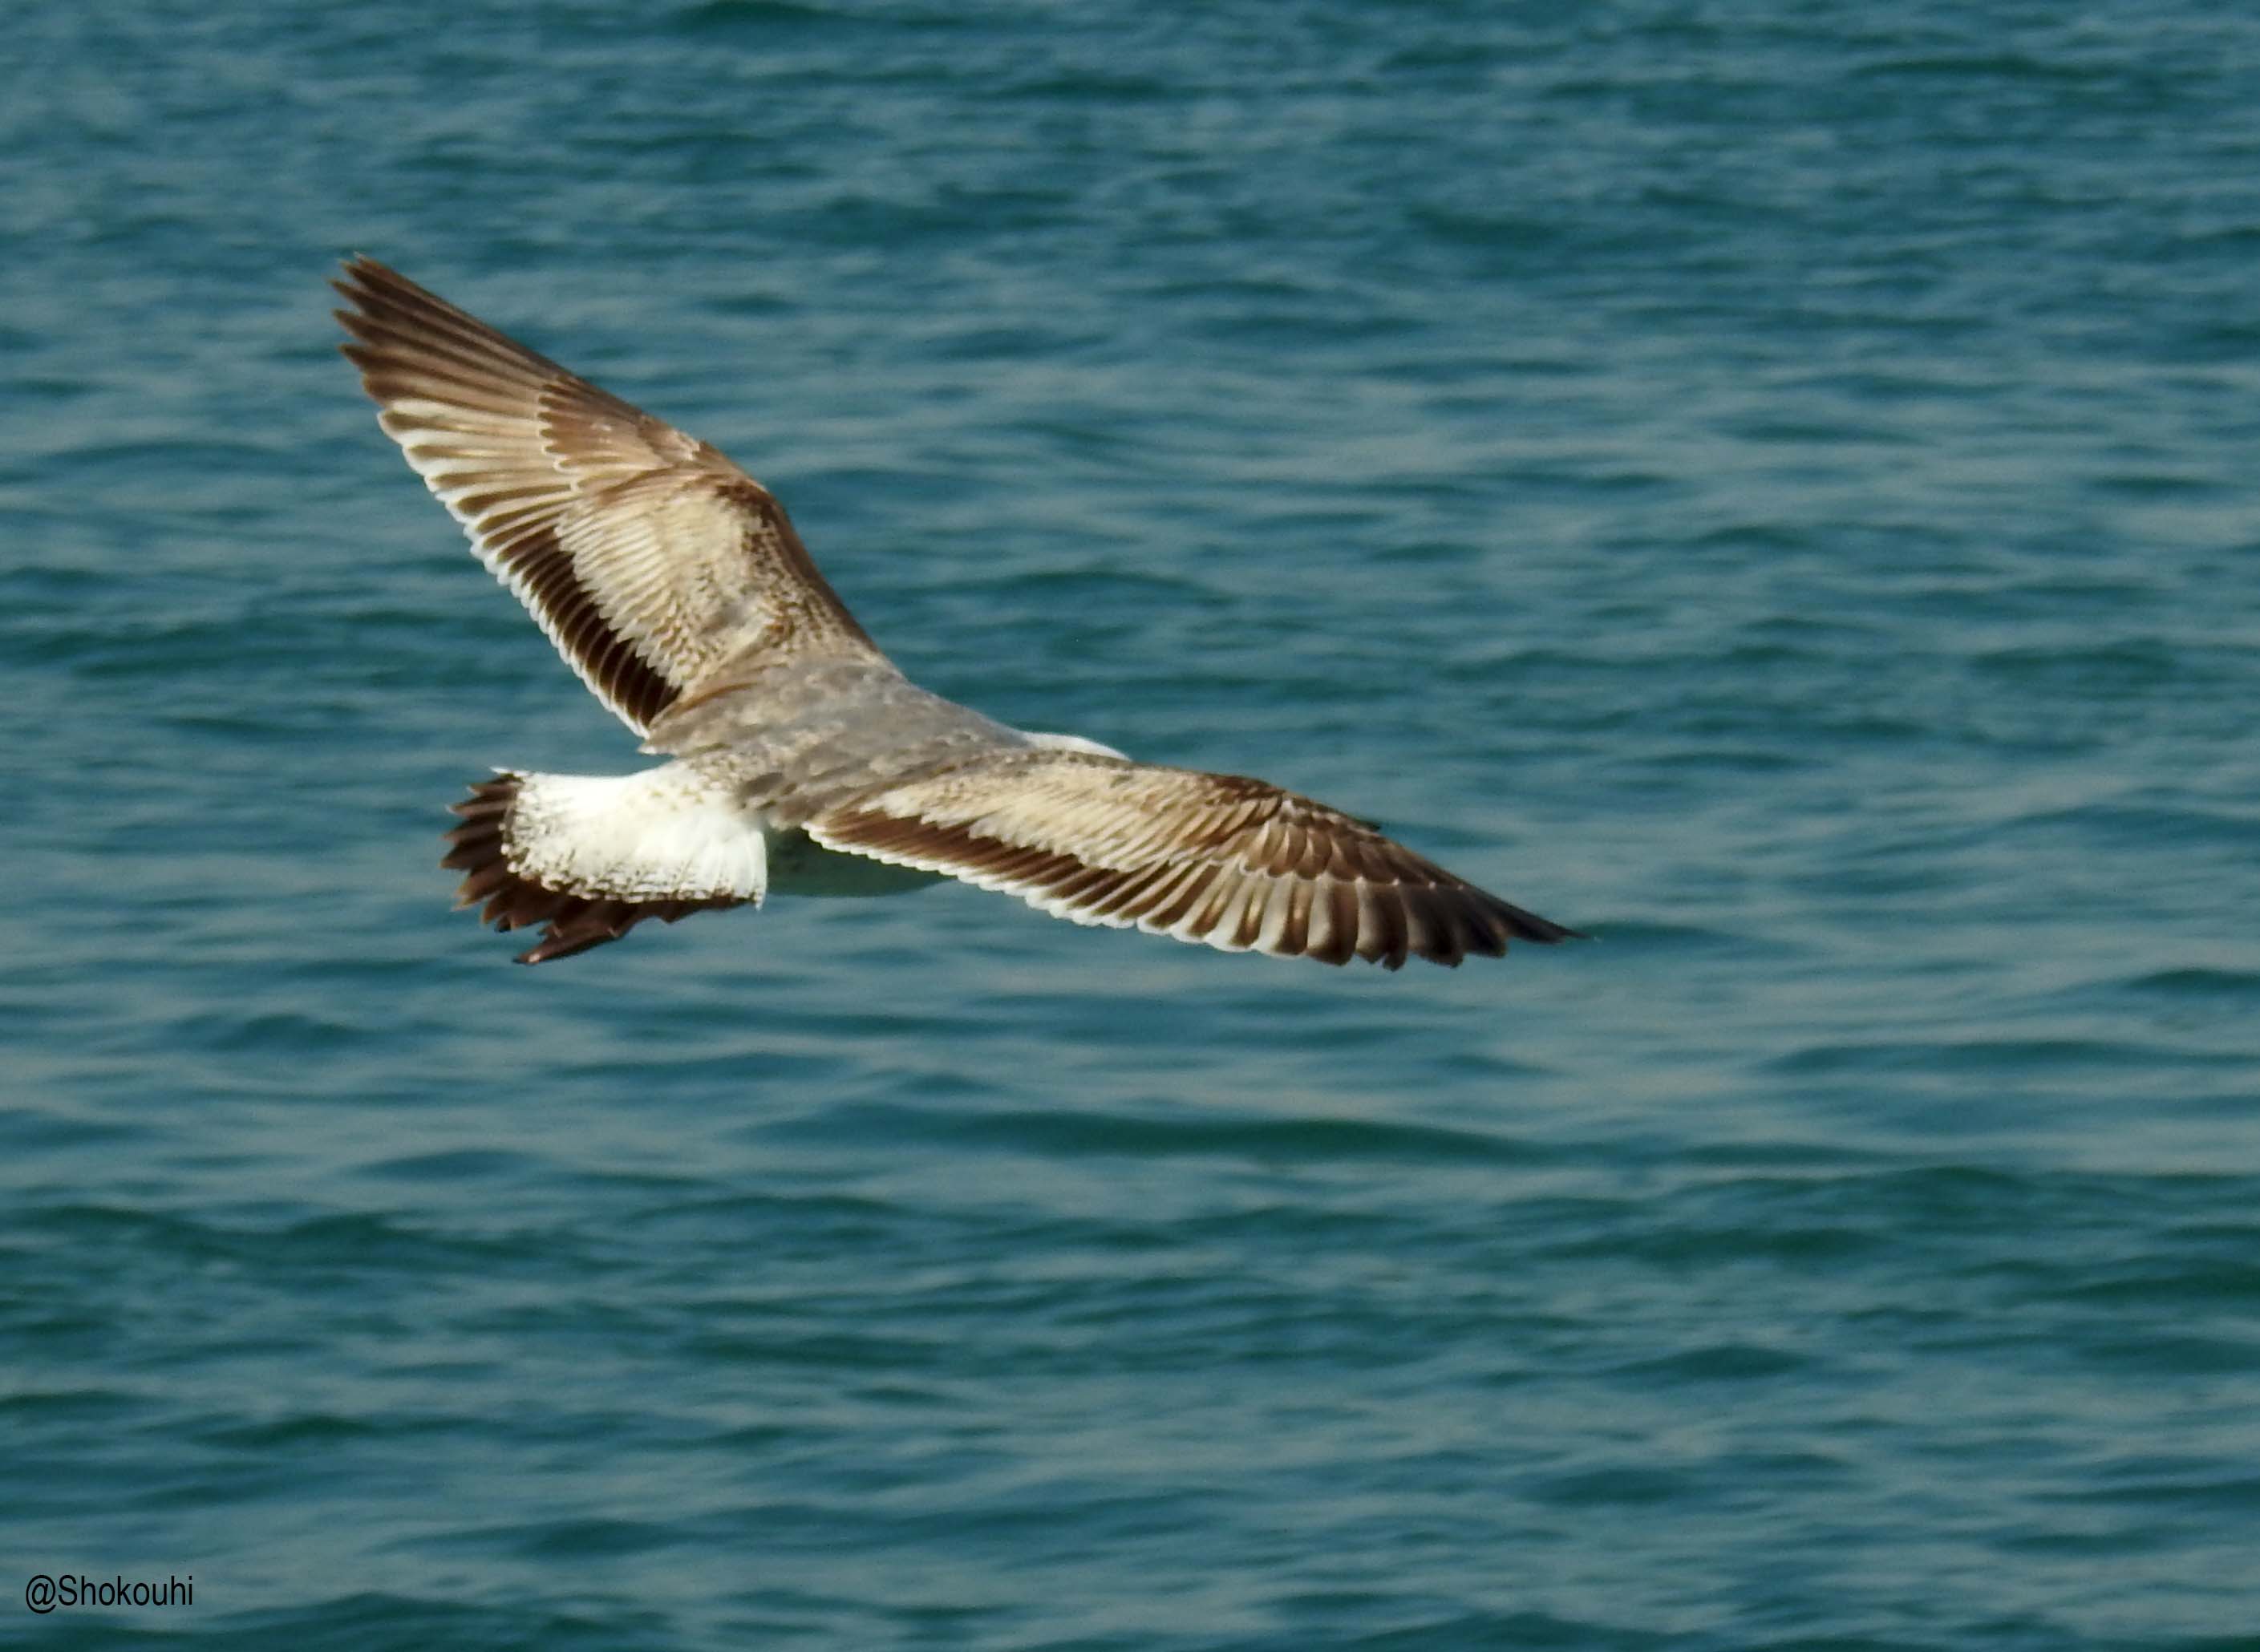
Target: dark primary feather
<point>654,564</point>
<point>1219,859</point>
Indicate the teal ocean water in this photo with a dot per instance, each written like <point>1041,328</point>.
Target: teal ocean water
<point>1772,485</point>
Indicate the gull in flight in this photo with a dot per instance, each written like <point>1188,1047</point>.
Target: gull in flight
<point>800,759</point>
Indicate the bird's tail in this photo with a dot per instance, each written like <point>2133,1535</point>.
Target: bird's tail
<point>590,856</point>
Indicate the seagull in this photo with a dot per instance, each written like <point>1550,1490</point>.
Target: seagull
<point>801,760</point>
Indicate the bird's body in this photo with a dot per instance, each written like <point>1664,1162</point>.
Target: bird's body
<point>800,759</point>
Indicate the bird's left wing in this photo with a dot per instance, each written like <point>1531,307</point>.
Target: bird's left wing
<point>652,561</point>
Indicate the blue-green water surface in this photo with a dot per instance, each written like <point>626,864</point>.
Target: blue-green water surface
<point>1775,485</point>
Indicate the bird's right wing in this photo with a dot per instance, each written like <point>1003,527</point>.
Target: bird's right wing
<point>650,559</point>
<point>1228,861</point>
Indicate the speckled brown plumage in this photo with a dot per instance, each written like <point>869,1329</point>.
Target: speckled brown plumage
<point>1223,860</point>
<point>676,586</point>
<point>652,561</point>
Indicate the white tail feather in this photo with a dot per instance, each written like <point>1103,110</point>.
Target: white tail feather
<point>668,833</point>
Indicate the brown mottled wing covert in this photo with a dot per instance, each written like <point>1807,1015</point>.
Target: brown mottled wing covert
<point>649,559</point>
<point>1218,859</point>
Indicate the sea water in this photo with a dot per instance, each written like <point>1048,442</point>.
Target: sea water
<point>1773,485</point>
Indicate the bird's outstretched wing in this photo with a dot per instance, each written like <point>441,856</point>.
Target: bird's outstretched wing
<point>1231,862</point>
<point>651,560</point>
